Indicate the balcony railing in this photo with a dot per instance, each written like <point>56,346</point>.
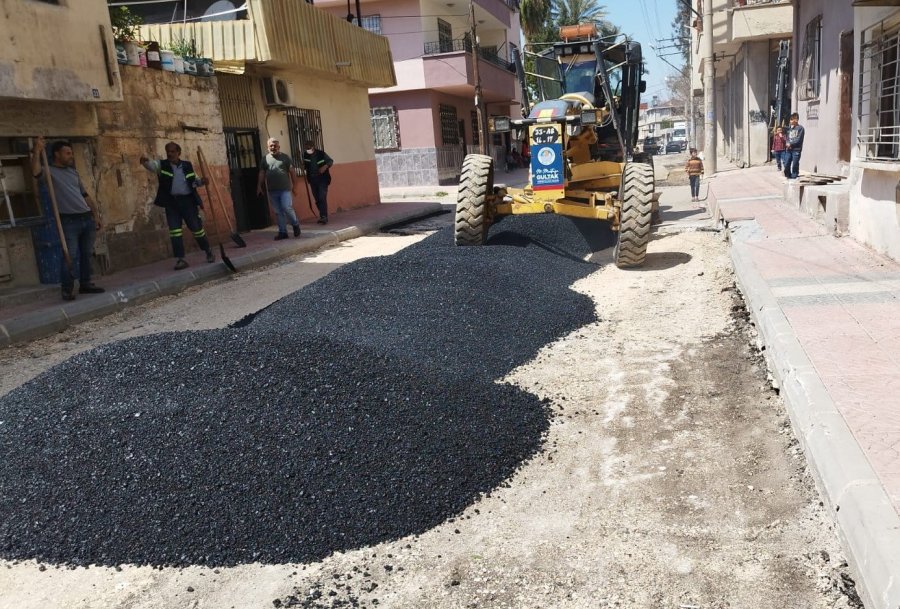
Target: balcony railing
<point>755,2</point>
<point>463,44</point>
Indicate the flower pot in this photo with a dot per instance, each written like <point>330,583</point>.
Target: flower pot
<point>178,60</point>
<point>121,53</point>
<point>190,65</point>
<point>167,59</point>
<point>153,59</point>
<point>132,53</point>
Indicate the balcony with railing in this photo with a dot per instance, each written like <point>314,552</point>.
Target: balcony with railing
<point>761,19</point>
<point>490,55</point>
<point>449,68</point>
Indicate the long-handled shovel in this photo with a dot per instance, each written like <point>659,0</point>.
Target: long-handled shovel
<point>225,259</point>
<point>238,240</point>
<point>48,179</point>
<point>309,198</point>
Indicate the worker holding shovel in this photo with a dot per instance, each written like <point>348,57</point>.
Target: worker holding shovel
<point>177,193</point>
<point>76,214</point>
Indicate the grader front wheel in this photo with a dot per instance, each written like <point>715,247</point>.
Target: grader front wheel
<point>636,215</point>
<point>476,184</point>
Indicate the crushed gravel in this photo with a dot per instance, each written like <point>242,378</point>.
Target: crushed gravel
<point>359,409</point>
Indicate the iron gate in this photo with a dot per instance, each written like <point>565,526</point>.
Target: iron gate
<point>244,153</point>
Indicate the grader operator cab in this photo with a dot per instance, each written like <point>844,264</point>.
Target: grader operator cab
<point>582,130</point>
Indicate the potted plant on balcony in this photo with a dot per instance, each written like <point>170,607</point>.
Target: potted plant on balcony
<point>125,28</point>
<point>185,51</point>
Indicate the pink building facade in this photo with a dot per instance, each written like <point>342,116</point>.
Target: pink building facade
<point>423,127</point>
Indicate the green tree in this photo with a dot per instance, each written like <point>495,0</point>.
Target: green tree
<point>573,12</point>
<point>534,16</point>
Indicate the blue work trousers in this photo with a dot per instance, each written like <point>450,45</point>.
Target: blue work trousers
<point>80,231</point>
<point>283,203</point>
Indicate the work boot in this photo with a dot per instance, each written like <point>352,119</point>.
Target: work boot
<point>210,257</point>
<point>90,288</point>
<point>281,236</point>
<point>68,293</point>
<point>181,264</point>
<point>296,230</point>
<point>322,220</point>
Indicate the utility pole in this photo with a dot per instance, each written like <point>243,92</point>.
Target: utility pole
<point>692,128</point>
<point>479,102</point>
<point>709,91</point>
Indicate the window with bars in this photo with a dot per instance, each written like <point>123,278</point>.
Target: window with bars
<point>449,125</point>
<point>303,126</point>
<point>371,23</point>
<point>878,106</point>
<point>811,62</point>
<point>385,129</point>
<point>476,134</point>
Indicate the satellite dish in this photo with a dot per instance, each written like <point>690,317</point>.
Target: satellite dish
<point>220,6</point>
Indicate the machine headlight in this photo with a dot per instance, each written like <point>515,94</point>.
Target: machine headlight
<point>588,117</point>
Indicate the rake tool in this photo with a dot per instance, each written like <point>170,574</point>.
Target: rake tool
<point>205,169</point>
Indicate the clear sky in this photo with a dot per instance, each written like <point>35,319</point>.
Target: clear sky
<point>647,21</point>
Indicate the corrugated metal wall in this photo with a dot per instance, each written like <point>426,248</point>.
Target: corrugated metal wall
<point>236,99</point>
<point>289,33</point>
<point>298,34</point>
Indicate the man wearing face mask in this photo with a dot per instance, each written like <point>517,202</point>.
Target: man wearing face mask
<point>317,165</point>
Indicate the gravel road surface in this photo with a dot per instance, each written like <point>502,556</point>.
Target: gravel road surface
<point>654,466</point>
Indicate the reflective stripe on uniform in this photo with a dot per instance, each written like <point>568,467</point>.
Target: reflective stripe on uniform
<point>190,175</point>
<point>322,162</point>
<point>167,173</point>
<point>175,232</point>
<point>200,233</point>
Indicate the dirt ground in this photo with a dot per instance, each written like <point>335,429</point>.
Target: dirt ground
<point>670,479</point>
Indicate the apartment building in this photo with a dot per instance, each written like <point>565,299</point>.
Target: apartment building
<point>289,70</point>
<point>424,125</point>
<point>747,37</point>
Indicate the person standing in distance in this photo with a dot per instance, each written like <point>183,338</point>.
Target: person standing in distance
<point>177,193</point>
<point>317,165</point>
<point>77,213</point>
<point>276,172</point>
<point>793,148</point>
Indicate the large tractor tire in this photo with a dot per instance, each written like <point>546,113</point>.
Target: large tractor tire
<point>476,185</point>
<point>636,215</point>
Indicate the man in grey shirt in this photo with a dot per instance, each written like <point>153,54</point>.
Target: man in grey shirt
<point>77,213</point>
<point>276,172</point>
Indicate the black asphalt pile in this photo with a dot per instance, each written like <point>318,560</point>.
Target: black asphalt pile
<point>473,310</point>
<point>362,408</point>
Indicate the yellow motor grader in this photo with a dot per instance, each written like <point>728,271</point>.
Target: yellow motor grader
<point>582,129</point>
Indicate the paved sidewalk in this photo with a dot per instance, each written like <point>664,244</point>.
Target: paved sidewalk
<point>828,313</point>
<point>27,314</point>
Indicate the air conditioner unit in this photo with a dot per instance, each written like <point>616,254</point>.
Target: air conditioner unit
<point>277,92</point>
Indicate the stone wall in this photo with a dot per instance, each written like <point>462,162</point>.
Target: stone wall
<point>157,107</point>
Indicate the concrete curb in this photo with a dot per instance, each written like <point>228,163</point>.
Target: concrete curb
<point>867,522</point>
<point>45,322</point>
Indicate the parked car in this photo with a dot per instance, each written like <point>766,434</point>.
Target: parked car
<point>674,147</point>
<point>652,145</point>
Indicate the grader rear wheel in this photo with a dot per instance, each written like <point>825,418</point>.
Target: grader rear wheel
<point>636,215</point>
<point>476,185</point>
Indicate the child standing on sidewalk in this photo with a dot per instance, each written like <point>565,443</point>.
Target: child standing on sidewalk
<point>779,145</point>
<point>694,169</point>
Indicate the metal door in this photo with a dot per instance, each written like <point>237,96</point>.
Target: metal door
<point>244,153</point>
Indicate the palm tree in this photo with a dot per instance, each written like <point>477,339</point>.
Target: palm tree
<point>533,16</point>
<point>573,12</point>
